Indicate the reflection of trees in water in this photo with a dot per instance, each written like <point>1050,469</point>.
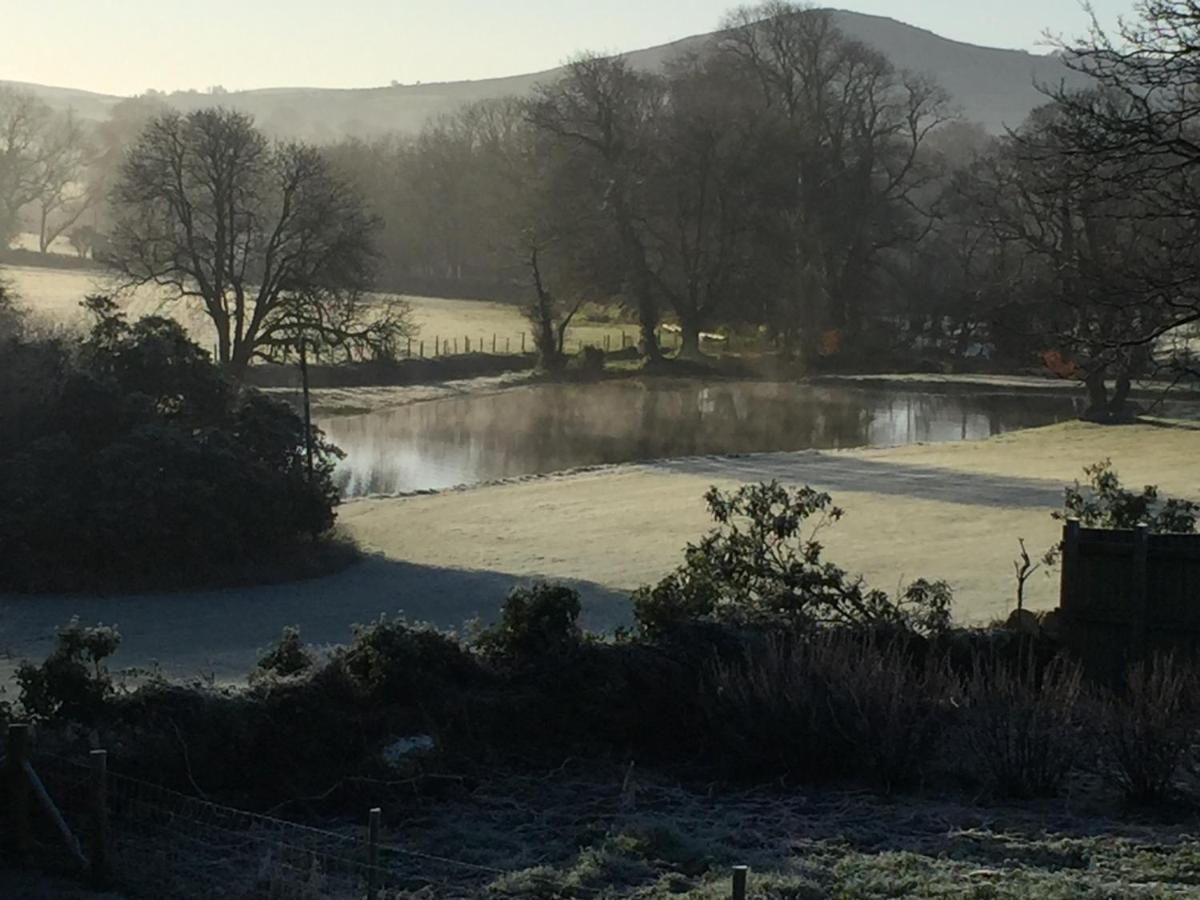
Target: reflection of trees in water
<point>553,427</point>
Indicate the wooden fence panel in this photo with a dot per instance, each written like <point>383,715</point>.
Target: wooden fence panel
<point>1129,592</point>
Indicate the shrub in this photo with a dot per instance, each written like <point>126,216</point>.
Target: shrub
<point>536,623</point>
<point>73,681</point>
<point>1105,503</point>
<point>589,362</point>
<point>1149,726</point>
<point>829,705</point>
<point>287,657</point>
<point>1022,722</point>
<point>132,461</point>
<point>393,661</point>
<point>763,565</point>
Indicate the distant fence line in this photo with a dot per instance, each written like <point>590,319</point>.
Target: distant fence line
<point>1128,593</point>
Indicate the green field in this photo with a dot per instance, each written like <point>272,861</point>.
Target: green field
<point>54,296</point>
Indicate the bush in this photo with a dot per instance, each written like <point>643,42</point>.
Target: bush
<point>763,565</point>
<point>829,705</point>
<point>132,462</point>
<point>1105,503</point>
<point>1149,726</point>
<point>392,661</point>
<point>589,362</point>
<point>1022,722</point>
<point>287,657</point>
<point>73,682</point>
<point>536,623</point>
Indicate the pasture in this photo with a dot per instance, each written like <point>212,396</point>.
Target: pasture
<point>53,295</point>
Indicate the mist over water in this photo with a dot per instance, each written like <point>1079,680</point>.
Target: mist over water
<point>548,428</point>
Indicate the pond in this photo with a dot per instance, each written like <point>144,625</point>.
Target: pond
<point>547,428</point>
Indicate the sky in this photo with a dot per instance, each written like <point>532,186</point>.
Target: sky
<point>127,46</point>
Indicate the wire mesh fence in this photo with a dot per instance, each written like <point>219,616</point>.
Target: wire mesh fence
<point>163,843</point>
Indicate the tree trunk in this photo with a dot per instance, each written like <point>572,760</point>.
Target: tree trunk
<point>689,344</point>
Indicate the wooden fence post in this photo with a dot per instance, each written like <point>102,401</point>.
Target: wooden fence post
<point>739,882</point>
<point>18,785</point>
<point>437,344</point>
<point>1070,566</point>
<point>493,343</point>
<point>373,818</point>
<point>421,349</point>
<point>101,873</point>
<point>522,342</point>
<point>508,344</point>
<point>1138,599</point>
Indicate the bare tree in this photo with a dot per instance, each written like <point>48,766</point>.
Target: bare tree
<point>23,120</point>
<point>605,110</point>
<point>270,243</point>
<point>1136,134</point>
<point>846,159</point>
<point>61,194</point>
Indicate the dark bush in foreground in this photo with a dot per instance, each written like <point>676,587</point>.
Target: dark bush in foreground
<point>130,461</point>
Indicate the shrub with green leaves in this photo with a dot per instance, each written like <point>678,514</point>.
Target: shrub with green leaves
<point>131,461</point>
<point>73,682</point>
<point>763,565</point>
<point>1105,503</point>
<point>537,622</point>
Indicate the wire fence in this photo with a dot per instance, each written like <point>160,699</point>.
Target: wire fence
<point>163,843</point>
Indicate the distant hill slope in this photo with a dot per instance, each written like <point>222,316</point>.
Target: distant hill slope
<point>993,87</point>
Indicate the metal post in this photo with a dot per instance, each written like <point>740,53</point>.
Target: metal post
<point>101,873</point>
<point>373,818</point>
<point>740,874</point>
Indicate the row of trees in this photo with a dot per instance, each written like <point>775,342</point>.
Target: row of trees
<point>784,178</point>
<point>790,178</point>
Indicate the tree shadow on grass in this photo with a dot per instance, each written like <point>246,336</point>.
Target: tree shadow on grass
<point>220,633</point>
<point>835,472</point>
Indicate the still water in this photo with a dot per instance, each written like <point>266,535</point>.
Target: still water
<point>547,428</point>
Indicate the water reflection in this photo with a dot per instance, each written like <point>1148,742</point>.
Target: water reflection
<point>547,428</point>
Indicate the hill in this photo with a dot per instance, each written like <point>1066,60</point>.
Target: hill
<point>994,87</point>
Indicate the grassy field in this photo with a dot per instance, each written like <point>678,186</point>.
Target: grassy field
<point>573,834</point>
<point>54,295</point>
<point>952,511</point>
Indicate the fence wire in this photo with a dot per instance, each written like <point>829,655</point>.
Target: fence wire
<point>167,844</point>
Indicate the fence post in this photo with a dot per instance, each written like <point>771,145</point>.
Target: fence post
<point>1141,553</point>
<point>508,344</point>
<point>1070,565</point>
<point>466,344</point>
<point>421,349</point>
<point>373,818</point>
<point>522,342</point>
<point>493,343</point>
<point>739,882</point>
<point>18,785</point>
<point>101,873</point>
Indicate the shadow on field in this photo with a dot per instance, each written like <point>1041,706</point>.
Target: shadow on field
<point>836,473</point>
<point>221,632</point>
